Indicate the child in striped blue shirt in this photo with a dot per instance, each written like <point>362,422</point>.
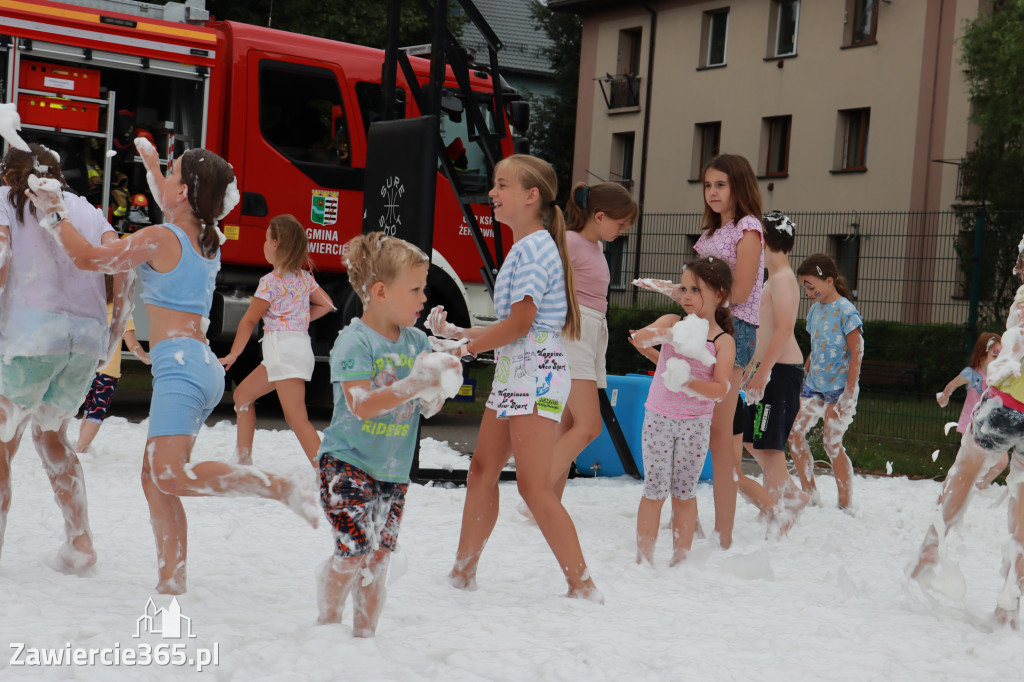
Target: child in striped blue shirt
<point>536,304</point>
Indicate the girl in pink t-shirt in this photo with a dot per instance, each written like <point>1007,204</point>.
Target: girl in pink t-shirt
<point>286,299</point>
<point>974,376</point>
<point>680,404</point>
<point>593,215</point>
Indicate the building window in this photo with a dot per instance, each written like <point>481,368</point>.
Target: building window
<point>714,32</point>
<point>621,166</point>
<point>787,20</point>
<point>622,89</point>
<point>861,21</point>
<point>845,250</point>
<point>707,139</point>
<point>775,144</point>
<point>853,139</point>
<point>628,60</point>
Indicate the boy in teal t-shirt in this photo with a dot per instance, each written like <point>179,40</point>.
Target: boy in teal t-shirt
<point>383,377</point>
<point>382,446</point>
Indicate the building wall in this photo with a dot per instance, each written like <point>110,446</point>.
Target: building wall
<point>895,78</point>
<point>910,78</point>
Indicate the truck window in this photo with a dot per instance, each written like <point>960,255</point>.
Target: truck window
<point>371,105</point>
<point>466,155</point>
<point>302,115</point>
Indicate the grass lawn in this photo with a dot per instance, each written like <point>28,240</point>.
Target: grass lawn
<point>902,431</point>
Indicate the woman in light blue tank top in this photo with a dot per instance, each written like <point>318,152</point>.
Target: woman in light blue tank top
<point>178,263</point>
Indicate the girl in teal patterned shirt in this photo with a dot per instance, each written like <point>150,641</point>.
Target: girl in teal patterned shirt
<point>832,370</point>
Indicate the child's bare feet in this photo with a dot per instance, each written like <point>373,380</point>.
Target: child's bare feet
<point>174,583</point>
<point>678,557</point>
<point>75,557</point>
<point>586,591</point>
<point>462,581</point>
<point>1006,617</point>
<point>170,587</point>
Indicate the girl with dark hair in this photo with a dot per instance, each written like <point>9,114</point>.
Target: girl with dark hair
<point>53,336</point>
<point>287,300</point>
<point>975,377</point>
<point>832,373</point>
<point>178,263</point>
<point>677,426</point>
<point>733,233</point>
<point>595,214</point>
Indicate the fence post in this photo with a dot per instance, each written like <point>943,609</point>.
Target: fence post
<point>638,230</point>
<point>972,314</point>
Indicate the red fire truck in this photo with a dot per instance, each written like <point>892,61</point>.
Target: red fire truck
<point>289,112</point>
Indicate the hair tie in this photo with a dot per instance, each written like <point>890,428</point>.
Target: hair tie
<point>583,196</point>
<point>552,203</point>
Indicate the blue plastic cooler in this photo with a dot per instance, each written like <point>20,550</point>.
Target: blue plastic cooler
<point>627,395</point>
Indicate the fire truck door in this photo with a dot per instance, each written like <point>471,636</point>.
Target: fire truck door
<point>299,149</point>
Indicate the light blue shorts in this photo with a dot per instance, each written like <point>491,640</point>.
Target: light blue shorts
<point>830,397</point>
<point>188,382</point>
<point>61,380</point>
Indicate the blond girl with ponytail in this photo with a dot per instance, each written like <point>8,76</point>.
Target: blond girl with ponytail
<point>535,300</point>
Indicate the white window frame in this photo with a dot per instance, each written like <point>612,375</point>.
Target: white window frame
<point>778,29</point>
<point>711,37</point>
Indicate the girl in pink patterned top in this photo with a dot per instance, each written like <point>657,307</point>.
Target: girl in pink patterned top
<point>733,233</point>
<point>677,426</point>
<point>287,299</point>
<point>975,378</point>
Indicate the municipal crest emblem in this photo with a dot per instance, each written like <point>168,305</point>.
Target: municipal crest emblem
<point>324,209</point>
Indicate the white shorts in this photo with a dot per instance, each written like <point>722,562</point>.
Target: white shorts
<point>531,372</point>
<point>287,355</point>
<point>587,354</point>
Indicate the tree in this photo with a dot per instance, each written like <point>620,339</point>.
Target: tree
<point>991,172</point>
<point>552,130</point>
<point>363,22</point>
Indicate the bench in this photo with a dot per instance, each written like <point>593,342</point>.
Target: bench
<point>902,376</point>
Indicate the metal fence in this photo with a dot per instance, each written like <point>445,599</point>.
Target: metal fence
<point>911,271</point>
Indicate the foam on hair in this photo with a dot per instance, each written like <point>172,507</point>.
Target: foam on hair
<point>376,257</point>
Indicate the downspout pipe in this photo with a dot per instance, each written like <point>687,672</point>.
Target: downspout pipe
<point>643,146</point>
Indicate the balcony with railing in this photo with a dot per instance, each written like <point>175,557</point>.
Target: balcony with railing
<point>621,91</point>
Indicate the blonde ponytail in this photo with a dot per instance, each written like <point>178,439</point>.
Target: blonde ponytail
<point>556,227</point>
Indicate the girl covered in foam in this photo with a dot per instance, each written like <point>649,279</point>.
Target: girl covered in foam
<point>178,263</point>
<point>997,426</point>
<point>53,336</point>
<point>832,374</point>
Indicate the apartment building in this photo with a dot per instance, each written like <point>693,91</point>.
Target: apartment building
<point>840,105</point>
